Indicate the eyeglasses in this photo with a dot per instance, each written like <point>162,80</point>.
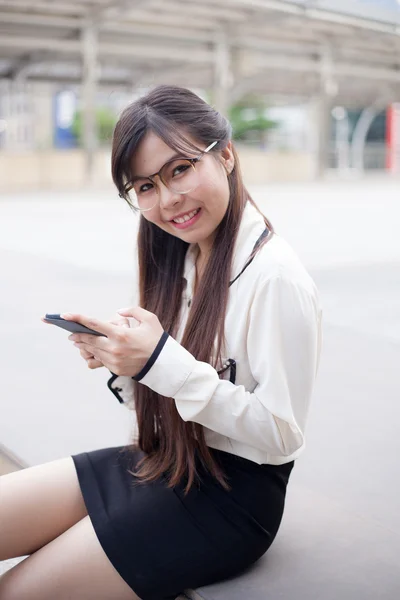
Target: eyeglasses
<point>178,175</point>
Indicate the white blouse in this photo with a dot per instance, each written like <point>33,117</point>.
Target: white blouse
<point>273,332</point>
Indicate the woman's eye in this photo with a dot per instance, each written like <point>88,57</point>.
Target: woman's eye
<point>180,169</point>
<point>145,188</point>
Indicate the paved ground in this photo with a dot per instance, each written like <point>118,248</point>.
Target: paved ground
<point>340,536</point>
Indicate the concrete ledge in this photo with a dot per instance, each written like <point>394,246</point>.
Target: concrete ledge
<point>54,168</point>
<point>6,565</point>
<point>324,550</point>
<point>9,462</point>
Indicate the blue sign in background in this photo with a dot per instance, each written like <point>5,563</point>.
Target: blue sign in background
<point>64,106</point>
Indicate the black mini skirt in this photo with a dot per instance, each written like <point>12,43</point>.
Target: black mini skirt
<point>162,542</point>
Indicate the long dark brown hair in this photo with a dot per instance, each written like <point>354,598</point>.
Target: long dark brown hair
<point>171,445</point>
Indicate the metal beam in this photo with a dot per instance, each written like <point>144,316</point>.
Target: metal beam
<point>127,51</point>
<point>35,43</point>
<point>111,25</point>
<point>21,66</point>
<point>39,20</point>
<point>198,9</point>
<point>319,14</point>
<point>149,52</point>
<point>26,43</point>
<point>103,84</point>
<point>169,19</point>
<point>259,39</point>
<point>268,7</point>
<point>164,74</point>
<point>266,38</point>
<point>99,14</point>
<point>268,44</point>
<point>130,52</point>
<point>303,64</point>
<point>65,8</point>
<point>158,31</point>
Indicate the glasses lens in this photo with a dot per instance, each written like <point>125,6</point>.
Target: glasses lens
<point>143,195</point>
<point>180,176</point>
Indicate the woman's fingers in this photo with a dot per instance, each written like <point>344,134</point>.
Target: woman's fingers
<point>92,362</point>
<point>92,323</point>
<point>121,321</point>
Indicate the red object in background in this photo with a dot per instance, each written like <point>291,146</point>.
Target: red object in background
<point>393,139</point>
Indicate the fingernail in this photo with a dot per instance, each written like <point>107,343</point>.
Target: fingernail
<point>66,315</point>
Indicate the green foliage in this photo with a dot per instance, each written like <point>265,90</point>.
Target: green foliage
<point>249,120</point>
<point>105,123</point>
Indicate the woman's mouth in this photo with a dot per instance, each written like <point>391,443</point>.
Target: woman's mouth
<point>187,220</point>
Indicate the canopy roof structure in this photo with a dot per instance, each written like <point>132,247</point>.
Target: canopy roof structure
<point>351,47</point>
<point>324,51</point>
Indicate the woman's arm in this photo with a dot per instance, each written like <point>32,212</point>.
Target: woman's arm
<point>283,345</point>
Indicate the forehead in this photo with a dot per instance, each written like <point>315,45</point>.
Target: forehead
<point>151,154</point>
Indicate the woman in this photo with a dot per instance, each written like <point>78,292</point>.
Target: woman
<point>218,361</point>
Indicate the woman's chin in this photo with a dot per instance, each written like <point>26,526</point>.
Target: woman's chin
<point>192,236</point>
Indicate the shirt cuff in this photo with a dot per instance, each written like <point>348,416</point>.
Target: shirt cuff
<point>122,388</point>
<point>152,358</point>
<point>171,366</point>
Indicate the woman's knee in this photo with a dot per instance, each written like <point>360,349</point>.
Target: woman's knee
<point>74,565</point>
<point>37,505</point>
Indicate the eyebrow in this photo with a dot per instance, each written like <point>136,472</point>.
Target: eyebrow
<point>176,155</point>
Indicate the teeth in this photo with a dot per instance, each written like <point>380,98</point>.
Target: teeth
<point>187,217</point>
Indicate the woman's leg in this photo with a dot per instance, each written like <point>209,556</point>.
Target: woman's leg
<point>37,505</point>
<point>72,566</point>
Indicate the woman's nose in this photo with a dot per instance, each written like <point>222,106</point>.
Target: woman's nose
<point>167,197</point>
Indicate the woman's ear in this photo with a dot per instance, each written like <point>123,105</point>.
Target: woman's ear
<point>228,160</point>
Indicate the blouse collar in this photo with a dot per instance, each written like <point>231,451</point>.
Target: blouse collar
<point>251,227</point>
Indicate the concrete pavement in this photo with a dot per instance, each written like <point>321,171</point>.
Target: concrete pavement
<point>340,535</point>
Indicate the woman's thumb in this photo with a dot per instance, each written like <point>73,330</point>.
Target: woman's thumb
<point>125,312</point>
<point>137,312</point>
<point>133,315</point>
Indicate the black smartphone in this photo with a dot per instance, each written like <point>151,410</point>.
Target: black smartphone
<point>71,326</point>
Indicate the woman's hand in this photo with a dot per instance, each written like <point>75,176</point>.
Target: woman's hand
<point>92,362</point>
<point>124,351</point>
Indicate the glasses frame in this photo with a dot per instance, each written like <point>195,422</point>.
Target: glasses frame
<point>129,186</point>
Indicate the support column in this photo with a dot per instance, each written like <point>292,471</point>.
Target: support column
<point>342,139</point>
<point>328,91</point>
<point>89,87</point>
<point>222,72</point>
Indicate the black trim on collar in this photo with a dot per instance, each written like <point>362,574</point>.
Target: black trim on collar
<point>231,365</point>
<point>153,357</point>
<point>256,245</point>
<point>232,373</point>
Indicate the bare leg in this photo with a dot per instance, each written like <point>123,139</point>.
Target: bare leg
<point>73,565</point>
<point>37,505</point>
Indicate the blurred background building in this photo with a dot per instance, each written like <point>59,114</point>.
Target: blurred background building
<point>311,86</point>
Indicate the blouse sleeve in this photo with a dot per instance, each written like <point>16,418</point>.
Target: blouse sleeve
<point>283,345</point>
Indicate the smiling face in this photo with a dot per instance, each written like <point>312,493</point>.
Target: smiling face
<point>206,205</point>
